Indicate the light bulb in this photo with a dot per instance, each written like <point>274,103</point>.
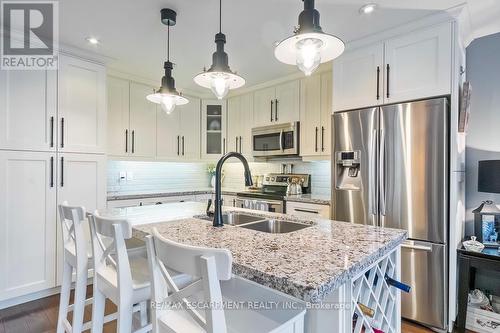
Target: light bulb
<point>168,103</point>
<point>308,54</point>
<point>220,85</point>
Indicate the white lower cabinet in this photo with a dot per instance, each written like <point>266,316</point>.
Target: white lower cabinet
<point>81,181</point>
<point>306,209</point>
<point>27,222</point>
<point>31,186</point>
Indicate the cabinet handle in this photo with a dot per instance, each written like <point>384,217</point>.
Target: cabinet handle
<point>378,83</point>
<point>316,139</point>
<point>276,110</point>
<point>126,140</point>
<point>306,211</point>
<point>52,171</point>
<point>62,132</point>
<point>240,144</point>
<point>236,145</point>
<point>62,171</point>
<point>224,146</point>
<point>388,75</point>
<point>178,145</point>
<point>183,145</point>
<point>51,132</point>
<point>133,141</point>
<point>272,102</point>
<point>322,138</point>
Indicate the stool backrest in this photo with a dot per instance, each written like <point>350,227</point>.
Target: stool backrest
<point>72,219</point>
<point>108,245</point>
<point>207,266</point>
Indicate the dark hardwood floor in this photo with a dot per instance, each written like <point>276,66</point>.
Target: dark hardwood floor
<point>40,316</point>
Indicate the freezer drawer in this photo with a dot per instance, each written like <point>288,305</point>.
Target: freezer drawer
<point>423,266</point>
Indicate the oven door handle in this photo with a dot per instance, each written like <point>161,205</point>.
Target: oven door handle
<point>281,141</point>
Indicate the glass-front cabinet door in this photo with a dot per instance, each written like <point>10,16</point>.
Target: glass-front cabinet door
<point>213,138</point>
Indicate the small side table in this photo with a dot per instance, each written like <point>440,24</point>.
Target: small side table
<point>468,262</point>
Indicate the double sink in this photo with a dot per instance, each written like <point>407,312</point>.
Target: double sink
<point>259,223</point>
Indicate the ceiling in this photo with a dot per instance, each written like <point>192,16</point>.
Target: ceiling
<point>134,39</point>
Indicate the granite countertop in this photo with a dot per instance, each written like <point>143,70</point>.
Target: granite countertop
<point>113,196</point>
<point>308,264</point>
<point>313,198</point>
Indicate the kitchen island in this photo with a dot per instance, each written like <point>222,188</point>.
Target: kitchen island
<point>336,269</point>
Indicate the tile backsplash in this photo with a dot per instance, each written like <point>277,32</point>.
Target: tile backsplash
<point>170,176</point>
<point>156,176</point>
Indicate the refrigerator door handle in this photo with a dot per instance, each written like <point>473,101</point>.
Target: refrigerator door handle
<point>372,175</point>
<point>417,247</point>
<point>382,173</point>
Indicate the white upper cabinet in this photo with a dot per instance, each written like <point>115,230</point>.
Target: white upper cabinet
<point>82,106</point>
<point>27,222</point>
<point>286,108</point>
<point>142,122</point>
<point>310,116</point>
<point>418,65</point>
<point>28,105</point>
<point>118,117</point>
<point>358,78</point>
<point>315,115</point>
<point>413,66</point>
<point>326,113</point>
<point>239,120</point>
<point>213,122</point>
<point>277,104</point>
<point>168,135</point>
<point>246,121</point>
<point>189,129</point>
<point>264,100</point>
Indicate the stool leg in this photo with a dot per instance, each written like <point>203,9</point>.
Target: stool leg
<point>144,313</point>
<point>64,298</point>
<point>98,304</point>
<point>125,314</point>
<point>80,297</point>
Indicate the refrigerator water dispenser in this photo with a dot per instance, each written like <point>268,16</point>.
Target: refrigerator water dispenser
<point>347,167</point>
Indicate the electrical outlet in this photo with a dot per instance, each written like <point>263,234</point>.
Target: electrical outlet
<point>130,175</point>
<point>123,177</point>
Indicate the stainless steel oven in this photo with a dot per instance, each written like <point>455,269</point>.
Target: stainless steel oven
<point>276,140</point>
<point>275,206</point>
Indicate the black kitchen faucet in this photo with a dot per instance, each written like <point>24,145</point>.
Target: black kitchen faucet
<point>218,180</point>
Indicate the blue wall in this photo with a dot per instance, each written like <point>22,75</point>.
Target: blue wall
<point>483,135</point>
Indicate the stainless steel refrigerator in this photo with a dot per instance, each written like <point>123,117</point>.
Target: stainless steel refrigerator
<point>390,169</point>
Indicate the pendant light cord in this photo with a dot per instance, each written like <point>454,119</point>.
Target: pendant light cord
<point>168,42</point>
<point>220,16</point>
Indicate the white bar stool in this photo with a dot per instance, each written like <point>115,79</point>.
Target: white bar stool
<point>120,276</point>
<point>213,288</point>
<point>77,257</point>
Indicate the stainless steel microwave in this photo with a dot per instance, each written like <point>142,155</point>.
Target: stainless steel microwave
<point>276,140</point>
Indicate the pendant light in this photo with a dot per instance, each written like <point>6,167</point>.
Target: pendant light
<point>167,96</point>
<point>219,77</point>
<point>309,46</point>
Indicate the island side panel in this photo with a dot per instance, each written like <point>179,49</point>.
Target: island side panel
<point>335,312</point>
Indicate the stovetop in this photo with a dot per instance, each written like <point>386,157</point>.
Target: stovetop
<point>259,194</point>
